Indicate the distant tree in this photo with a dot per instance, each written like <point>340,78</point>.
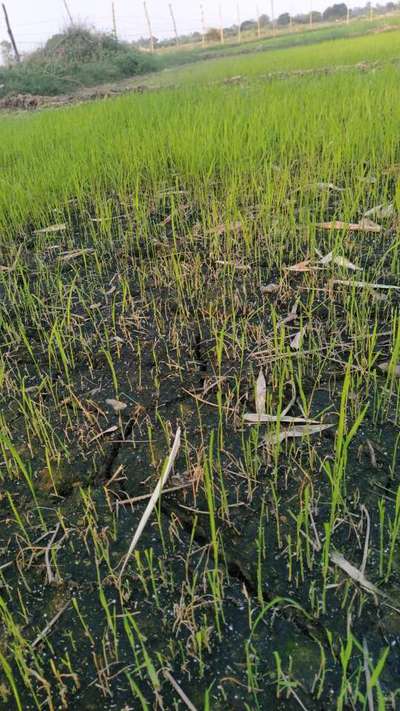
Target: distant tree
<point>301,19</point>
<point>231,31</point>
<point>264,20</point>
<point>284,19</point>
<point>248,25</point>
<point>315,16</point>
<point>335,12</point>
<point>213,35</point>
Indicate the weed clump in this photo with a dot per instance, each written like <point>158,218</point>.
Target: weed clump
<point>71,59</point>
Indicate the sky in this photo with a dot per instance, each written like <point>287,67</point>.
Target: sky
<point>33,21</point>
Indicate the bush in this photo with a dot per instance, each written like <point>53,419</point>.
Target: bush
<point>75,58</point>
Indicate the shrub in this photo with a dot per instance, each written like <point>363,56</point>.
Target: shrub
<point>72,59</point>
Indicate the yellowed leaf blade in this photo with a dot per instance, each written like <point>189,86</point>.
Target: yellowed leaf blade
<point>364,284</point>
<point>343,262</point>
<point>339,260</point>
<point>254,419</point>
<point>51,229</point>
<point>261,392</point>
<point>327,259</point>
<point>67,256</point>
<point>365,225</point>
<point>101,434</point>
<point>382,212</point>
<point>329,186</point>
<point>116,405</point>
<point>353,572</point>
<point>270,288</point>
<point>154,498</point>
<point>297,339</point>
<point>304,266</point>
<point>293,432</point>
<point>385,368</point>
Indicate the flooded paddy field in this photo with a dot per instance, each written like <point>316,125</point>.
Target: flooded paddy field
<point>200,289</point>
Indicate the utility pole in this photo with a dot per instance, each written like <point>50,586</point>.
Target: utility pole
<point>10,34</point>
<point>203,27</point>
<point>221,27</point>
<point>311,16</point>
<point>272,17</point>
<point>348,15</point>
<point>258,22</point>
<point>371,10</point>
<point>171,12</point>
<point>149,27</point>
<point>68,11</point>
<point>239,28</point>
<point>114,21</point>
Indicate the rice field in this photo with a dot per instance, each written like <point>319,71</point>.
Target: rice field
<point>199,372</point>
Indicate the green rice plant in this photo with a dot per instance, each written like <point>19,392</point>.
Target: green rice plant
<point>393,528</point>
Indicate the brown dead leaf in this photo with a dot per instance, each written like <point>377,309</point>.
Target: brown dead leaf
<point>381,212</point>
<point>297,340</point>
<point>354,573</point>
<point>292,316</point>
<point>386,367</point>
<point>270,288</point>
<point>329,186</point>
<point>305,266</point>
<point>365,225</point>
<point>293,432</point>
<point>364,284</point>
<point>339,260</point>
<point>101,434</point>
<point>254,419</point>
<point>261,391</point>
<point>67,256</point>
<point>343,262</point>
<point>116,405</point>
<point>51,229</point>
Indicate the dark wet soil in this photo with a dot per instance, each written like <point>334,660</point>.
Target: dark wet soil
<point>273,640</point>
